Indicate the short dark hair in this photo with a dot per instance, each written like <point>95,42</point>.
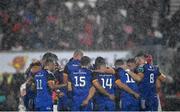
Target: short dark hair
<point>119,62</point>
<point>37,63</point>
<point>131,60</point>
<point>85,60</point>
<point>49,60</point>
<point>141,54</point>
<point>100,61</point>
<point>49,55</point>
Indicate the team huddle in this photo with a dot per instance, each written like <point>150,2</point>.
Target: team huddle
<point>128,86</point>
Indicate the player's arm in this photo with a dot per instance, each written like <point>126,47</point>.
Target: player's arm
<point>137,76</point>
<point>106,70</point>
<point>65,79</point>
<point>52,84</point>
<point>98,86</point>
<point>126,88</point>
<point>158,85</point>
<point>90,96</point>
<point>161,76</point>
<point>51,81</point>
<point>69,85</point>
<point>65,75</point>
<point>67,82</point>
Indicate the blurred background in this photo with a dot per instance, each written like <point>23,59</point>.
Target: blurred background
<point>30,27</point>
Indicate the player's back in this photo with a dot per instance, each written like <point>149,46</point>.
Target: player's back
<point>107,81</point>
<point>81,84</point>
<point>102,102</point>
<point>72,65</point>
<point>127,79</point>
<point>147,86</point>
<point>128,102</point>
<point>81,81</point>
<point>43,93</point>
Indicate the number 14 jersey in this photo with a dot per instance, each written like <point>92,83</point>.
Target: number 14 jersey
<point>107,81</point>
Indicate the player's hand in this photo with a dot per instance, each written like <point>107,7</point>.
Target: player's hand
<point>61,94</point>
<point>137,96</point>
<point>112,97</point>
<point>85,102</point>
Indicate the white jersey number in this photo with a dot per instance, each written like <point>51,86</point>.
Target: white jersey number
<point>106,83</point>
<point>151,78</point>
<point>129,79</point>
<point>80,81</point>
<point>39,84</point>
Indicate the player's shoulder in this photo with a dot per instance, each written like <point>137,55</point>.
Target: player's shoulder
<point>59,72</point>
<point>43,71</point>
<point>95,73</point>
<point>141,68</point>
<point>156,66</point>
<point>40,73</point>
<point>119,70</point>
<point>69,62</point>
<point>89,71</point>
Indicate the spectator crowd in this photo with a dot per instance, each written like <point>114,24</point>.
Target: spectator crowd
<point>28,25</point>
<point>65,25</point>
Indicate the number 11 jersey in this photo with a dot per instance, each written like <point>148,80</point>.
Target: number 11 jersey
<point>43,99</point>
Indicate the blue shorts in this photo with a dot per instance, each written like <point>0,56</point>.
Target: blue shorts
<point>130,104</point>
<point>44,108</point>
<point>43,105</point>
<point>77,107</point>
<point>105,106</point>
<point>76,104</point>
<point>149,104</point>
<point>63,103</point>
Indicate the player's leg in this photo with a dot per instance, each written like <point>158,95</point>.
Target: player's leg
<point>31,104</point>
<point>154,104</point>
<point>37,106</point>
<point>60,104</point>
<point>125,104</point>
<point>159,104</point>
<point>37,109</point>
<point>143,104</point>
<point>46,108</point>
<point>65,104</point>
<point>76,106</point>
<point>117,100</point>
<point>134,105</point>
<point>69,100</point>
<point>76,103</point>
<point>151,104</point>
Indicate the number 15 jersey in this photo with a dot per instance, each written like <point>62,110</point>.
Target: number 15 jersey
<point>81,81</point>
